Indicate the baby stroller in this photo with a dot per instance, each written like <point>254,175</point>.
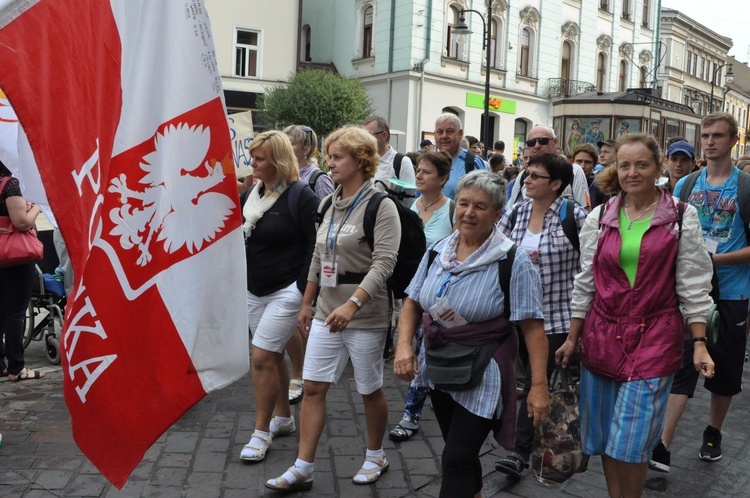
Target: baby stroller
<point>46,308</point>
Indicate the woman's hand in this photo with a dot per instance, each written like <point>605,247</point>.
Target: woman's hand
<point>304,319</point>
<point>339,319</point>
<point>537,403</point>
<point>702,360</point>
<point>405,364</point>
<point>563,354</point>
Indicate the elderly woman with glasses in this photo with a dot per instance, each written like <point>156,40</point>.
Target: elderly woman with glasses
<point>536,225</point>
<point>279,215</point>
<point>467,291</point>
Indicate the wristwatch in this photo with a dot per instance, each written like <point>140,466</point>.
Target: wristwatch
<point>357,302</point>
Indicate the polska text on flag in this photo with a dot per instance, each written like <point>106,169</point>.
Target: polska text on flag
<point>122,105</point>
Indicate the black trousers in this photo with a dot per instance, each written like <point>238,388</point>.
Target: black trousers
<point>15,293</point>
<point>463,433</point>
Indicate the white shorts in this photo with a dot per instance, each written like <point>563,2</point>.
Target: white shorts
<point>273,318</point>
<point>327,354</point>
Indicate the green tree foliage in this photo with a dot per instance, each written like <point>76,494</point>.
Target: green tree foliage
<point>319,99</point>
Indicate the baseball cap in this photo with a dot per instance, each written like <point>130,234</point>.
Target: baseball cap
<point>683,147</point>
<point>609,142</point>
<point>425,143</point>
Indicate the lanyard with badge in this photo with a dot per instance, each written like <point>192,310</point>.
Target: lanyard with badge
<point>712,245</point>
<point>441,311</point>
<point>329,262</point>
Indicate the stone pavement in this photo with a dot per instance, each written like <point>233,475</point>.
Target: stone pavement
<point>198,455</point>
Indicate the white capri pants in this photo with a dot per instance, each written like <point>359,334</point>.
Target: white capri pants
<point>327,354</point>
<point>273,318</point>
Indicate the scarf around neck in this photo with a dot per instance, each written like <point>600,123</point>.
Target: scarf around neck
<point>257,205</point>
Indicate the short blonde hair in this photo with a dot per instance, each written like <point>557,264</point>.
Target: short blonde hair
<point>360,144</point>
<point>305,136</point>
<point>280,153</point>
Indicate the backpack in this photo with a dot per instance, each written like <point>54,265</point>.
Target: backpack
<point>314,179</point>
<point>397,164</point>
<point>469,161</point>
<point>504,270</point>
<point>567,220</point>
<point>743,197</point>
<point>411,248</point>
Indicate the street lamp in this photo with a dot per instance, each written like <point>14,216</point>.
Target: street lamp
<point>461,34</point>
<point>729,77</point>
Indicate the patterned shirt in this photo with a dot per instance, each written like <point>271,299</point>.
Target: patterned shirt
<point>558,260</point>
<point>323,185</point>
<point>475,294</point>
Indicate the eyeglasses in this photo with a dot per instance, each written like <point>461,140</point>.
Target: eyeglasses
<point>306,129</point>
<point>374,134</point>
<point>542,141</point>
<point>534,177</point>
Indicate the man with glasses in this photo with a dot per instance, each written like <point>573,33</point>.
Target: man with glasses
<point>448,134</point>
<point>542,140</point>
<point>393,164</point>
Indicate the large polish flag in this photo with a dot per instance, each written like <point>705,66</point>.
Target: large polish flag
<point>121,102</point>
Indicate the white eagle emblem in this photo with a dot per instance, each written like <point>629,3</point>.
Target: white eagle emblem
<point>175,205</point>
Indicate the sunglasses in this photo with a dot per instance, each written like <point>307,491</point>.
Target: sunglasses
<point>542,141</point>
<point>534,177</point>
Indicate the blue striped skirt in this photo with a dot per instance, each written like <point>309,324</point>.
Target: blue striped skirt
<point>623,420</point>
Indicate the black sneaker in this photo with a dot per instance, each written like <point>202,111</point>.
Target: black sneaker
<point>512,464</point>
<point>660,458</point>
<point>711,449</point>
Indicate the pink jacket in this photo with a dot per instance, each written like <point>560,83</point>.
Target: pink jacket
<point>635,333</point>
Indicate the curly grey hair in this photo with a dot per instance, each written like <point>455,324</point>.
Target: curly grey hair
<point>494,185</point>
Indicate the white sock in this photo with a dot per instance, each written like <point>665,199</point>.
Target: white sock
<point>375,454</point>
<point>278,421</point>
<point>303,467</point>
<point>249,453</point>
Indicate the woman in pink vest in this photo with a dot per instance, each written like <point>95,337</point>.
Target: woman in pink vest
<point>643,268</point>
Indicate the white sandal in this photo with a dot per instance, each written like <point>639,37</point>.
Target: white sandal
<point>301,484</point>
<point>295,395</point>
<point>260,451</point>
<point>373,474</point>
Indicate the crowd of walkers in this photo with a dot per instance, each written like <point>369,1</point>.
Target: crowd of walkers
<point>613,256</point>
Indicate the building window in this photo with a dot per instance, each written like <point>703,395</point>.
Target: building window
<point>703,67</point>
<point>604,5</point>
<point>367,33</point>
<point>523,69</point>
<point>644,74</point>
<point>496,44</point>
<point>519,130</point>
<point>646,16</point>
<point>306,31</point>
<point>601,71</point>
<point>695,64</point>
<point>626,10</point>
<point>453,49</point>
<point>565,65</point>
<point>689,61</point>
<point>623,82</point>
<point>246,52</point>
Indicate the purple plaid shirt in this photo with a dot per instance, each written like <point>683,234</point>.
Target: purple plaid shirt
<point>558,260</point>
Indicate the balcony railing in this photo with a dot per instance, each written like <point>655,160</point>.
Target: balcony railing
<point>559,87</point>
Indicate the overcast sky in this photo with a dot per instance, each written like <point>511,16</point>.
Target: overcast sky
<point>729,18</point>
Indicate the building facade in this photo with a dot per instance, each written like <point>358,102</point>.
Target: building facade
<point>695,63</point>
<point>256,47</point>
<point>407,56</point>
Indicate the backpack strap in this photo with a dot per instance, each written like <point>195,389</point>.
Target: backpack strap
<point>371,213</point>
<point>451,212</point>
<point>397,164</point>
<point>687,187</point>
<point>293,198</point>
<point>569,225</point>
<point>514,216</point>
<point>519,181</point>
<point>469,161</point>
<point>504,271</point>
<point>323,209</point>
<point>743,198</point>
<point>314,179</point>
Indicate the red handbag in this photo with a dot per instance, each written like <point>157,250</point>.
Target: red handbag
<point>18,247</point>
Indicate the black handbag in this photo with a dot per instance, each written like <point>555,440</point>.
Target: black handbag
<point>456,367</point>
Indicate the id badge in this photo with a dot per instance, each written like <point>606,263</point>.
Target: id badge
<point>712,245</point>
<point>329,270</point>
<point>446,316</point>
